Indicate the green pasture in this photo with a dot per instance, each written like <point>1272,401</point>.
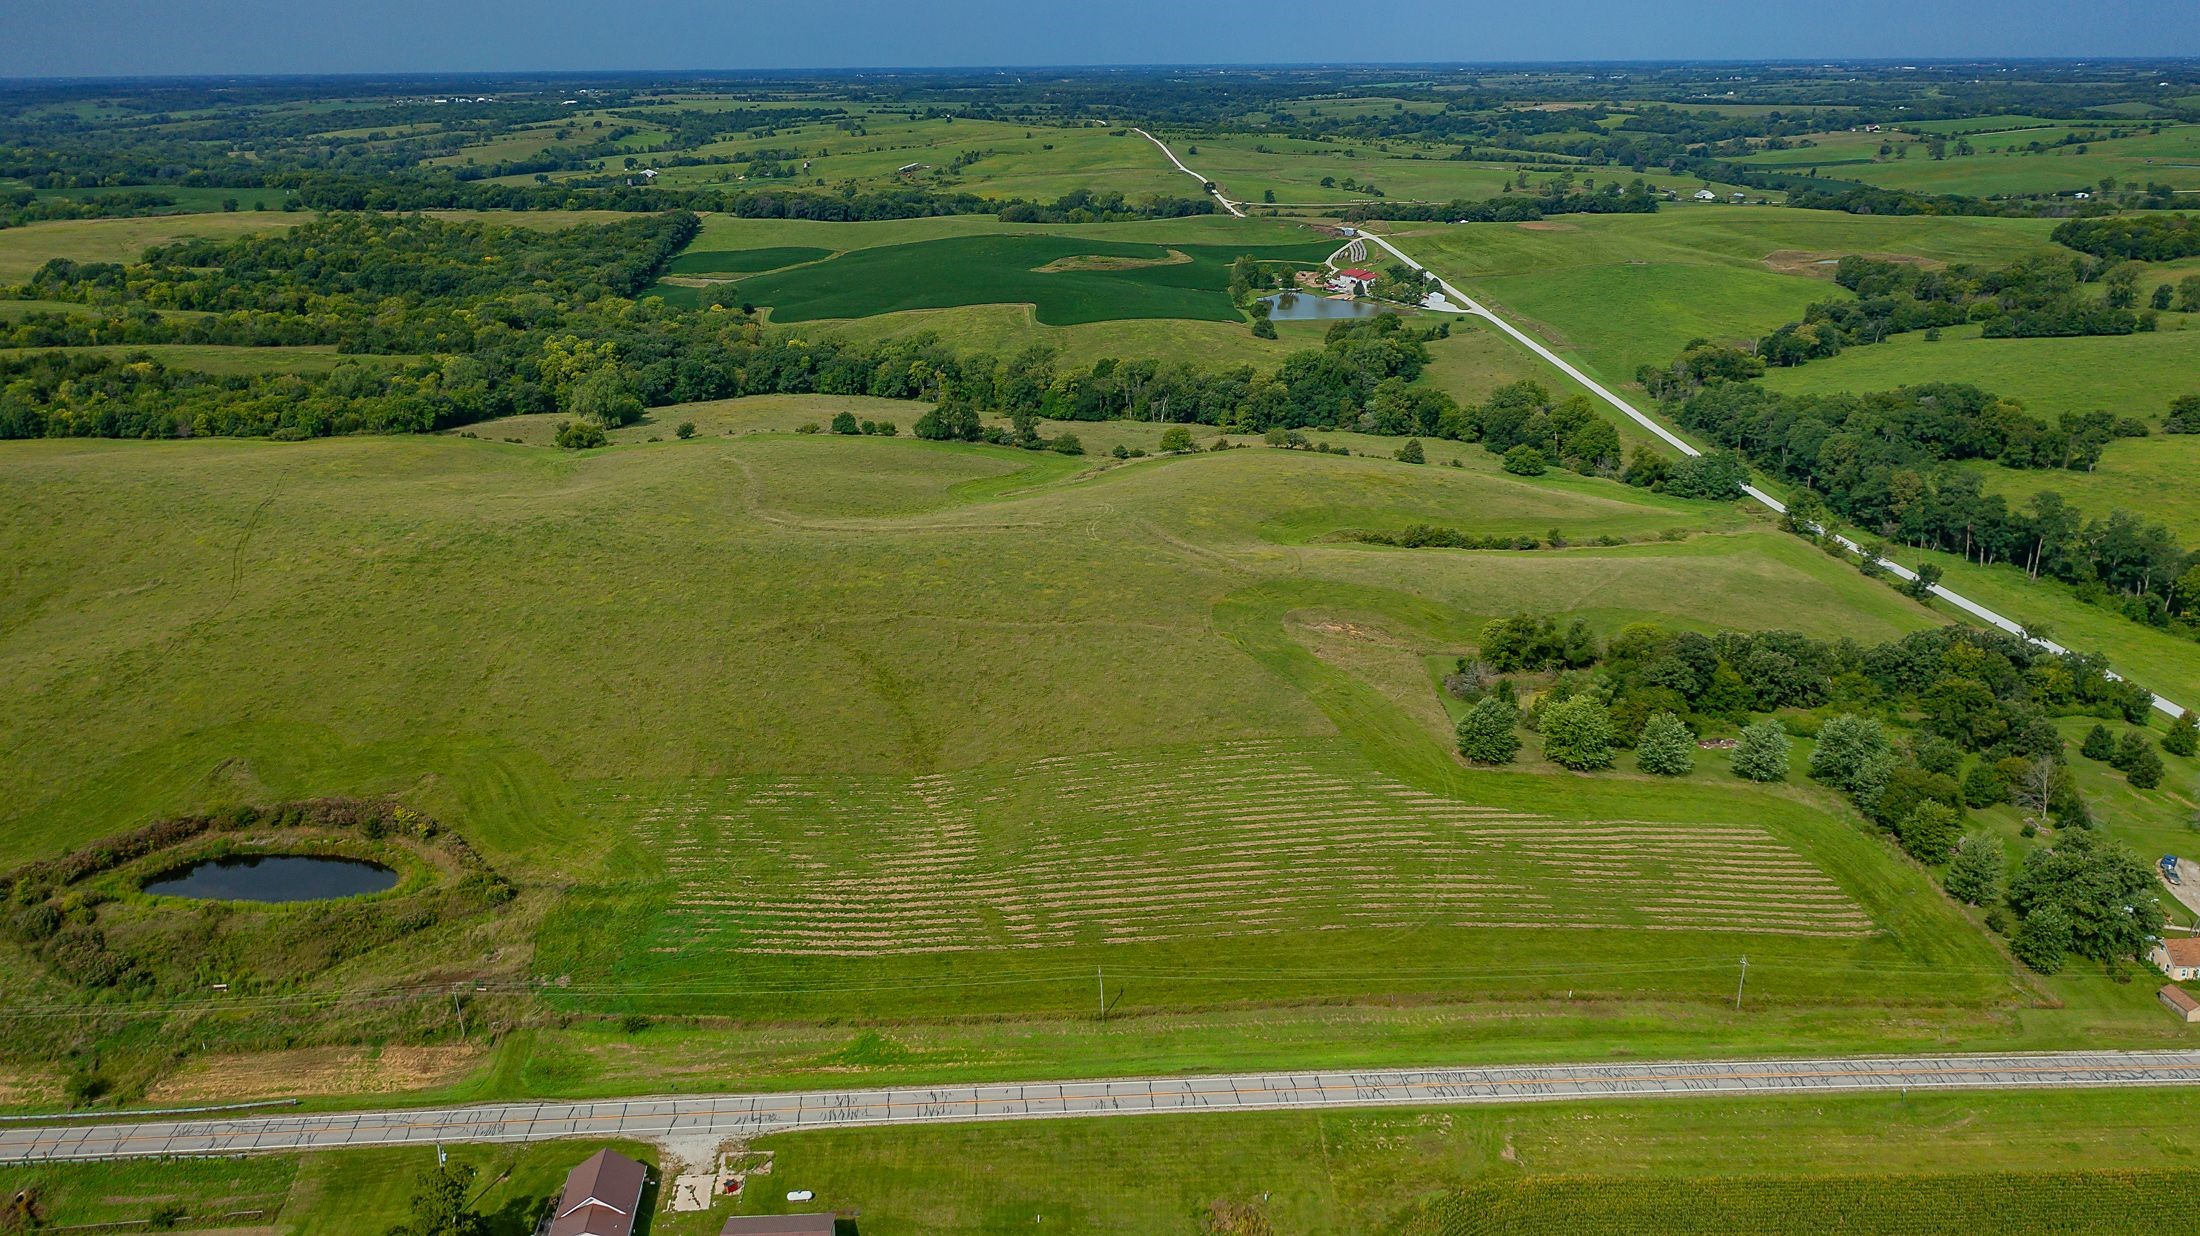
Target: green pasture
<point>189,199</point>
<point>24,249</point>
<point>2002,161</point>
<point>1015,161</point>
<point>225,359</point>
<point>1013,673</point>
<point>2130,375</point>
<point>1620,291</point>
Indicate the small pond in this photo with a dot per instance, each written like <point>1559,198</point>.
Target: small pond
<point>1306,307</point>
<point>274,877</point>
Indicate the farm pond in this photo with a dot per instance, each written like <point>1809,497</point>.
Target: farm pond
<point>1306,307</point>
<point>273,878</point>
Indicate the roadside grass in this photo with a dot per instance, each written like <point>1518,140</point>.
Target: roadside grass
<point>2078,1161</point>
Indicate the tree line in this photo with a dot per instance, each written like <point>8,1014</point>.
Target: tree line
<point>1886,462</point>
<point>1916,732</point>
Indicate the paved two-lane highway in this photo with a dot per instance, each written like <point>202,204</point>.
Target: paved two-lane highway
<point>705,1118</point>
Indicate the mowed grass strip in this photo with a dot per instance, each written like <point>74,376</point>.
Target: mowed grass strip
<point>1006,269</point>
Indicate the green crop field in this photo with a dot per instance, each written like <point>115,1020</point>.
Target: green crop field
<point>742,261</point>
<point>1145,280</point>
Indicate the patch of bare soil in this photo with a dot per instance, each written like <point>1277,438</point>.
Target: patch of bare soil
<point>314,1071</point>
<point>1545,225</point>
<point>1101,261</point>
<point>1818,265</point>
<point>24,1087</point>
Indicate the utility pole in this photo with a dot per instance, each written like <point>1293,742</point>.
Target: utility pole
<point>1101,975</point>
<point>1744,982</point>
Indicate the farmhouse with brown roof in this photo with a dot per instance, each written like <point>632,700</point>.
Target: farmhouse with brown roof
<point>2178,958</point>
<point>603,1196</point>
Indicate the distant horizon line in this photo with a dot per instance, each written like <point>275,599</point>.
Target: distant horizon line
<point>2183,59</point>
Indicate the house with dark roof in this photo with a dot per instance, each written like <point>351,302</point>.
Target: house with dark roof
<point>778,1225</point>
<point>603,1197</point>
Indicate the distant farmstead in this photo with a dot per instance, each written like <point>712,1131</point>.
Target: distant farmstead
<point>1354,280</point>
<point>602,1197</point>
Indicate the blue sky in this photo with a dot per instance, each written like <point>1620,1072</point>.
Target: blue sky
<point>100,37</point>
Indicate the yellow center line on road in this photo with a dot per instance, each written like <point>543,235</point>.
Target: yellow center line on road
<point>1977,1073</point>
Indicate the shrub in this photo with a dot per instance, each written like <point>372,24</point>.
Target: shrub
<point>1983,786</point>
<point>1488,734</point>
<point>1848,748</point>
<point>1066,444</point>
<point>2043,939</point>
<point>1929,831</point>
<point>1176,438</point>
<point>2098,745</point>
<point>2128,751</point>
<point>807,427</point>
<point>580,435</point>
<point>1976,874</point>
<point>685,431</point>
<point>2145,770</point>
<point>2183,737</point>
<point>1524,461</point>
<point>605,397</point>
<point>1761,753</point>
<point>845,422</point>
<point>1411,452</point>
<point>1666,748</point>
<point>1578,734</point>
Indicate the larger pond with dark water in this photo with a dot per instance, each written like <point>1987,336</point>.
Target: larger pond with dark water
<point>274,878</point>
<point>1306,307</point>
